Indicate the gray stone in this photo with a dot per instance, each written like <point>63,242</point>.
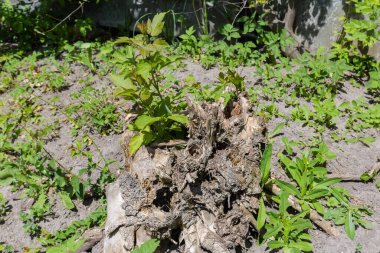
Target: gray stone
<point>317,22</point>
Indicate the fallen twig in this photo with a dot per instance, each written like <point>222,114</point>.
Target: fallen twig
<point>171,143</point>
<point>314,216</point>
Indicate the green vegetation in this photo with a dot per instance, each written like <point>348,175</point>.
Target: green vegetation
<point>4,208</point>
<point>40,103</point>
<point>139,81</point>
<point>149,246</point>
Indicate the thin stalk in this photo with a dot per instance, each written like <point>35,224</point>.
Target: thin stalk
<point>205,19</point>
<point>155,85</point>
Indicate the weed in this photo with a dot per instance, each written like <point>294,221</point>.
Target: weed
<point>4,208</point>
<point>139,81</point>
<point>67,238</point>
<point>361,114</point>
<point>310,175</point>
<point>288,231</point>
<point>326,112</point>
<point>358,248</point>
<point>35,215</point>
<point>359,35</point>
<point>343,213</point>
<point>373,85</point>
<point>6,248</point>
<point>93,110</point>
<point>189,44</point>
<point>82,52</point>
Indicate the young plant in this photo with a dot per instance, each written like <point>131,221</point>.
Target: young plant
<point>358,35</point>
<point>140,80</point>
<point>94,109</point>
<point>287,232</point>
<point>310,175</point>
<point>189,43</point>
<point>325,113</point>
<point>35,215</point>
<point>361,114</point>
<point>66,240</point>
<point>6,248</point>
<point>343,213</point>
<point>4,208</point>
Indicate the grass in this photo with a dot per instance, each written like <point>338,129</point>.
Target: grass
<point>41,95</point>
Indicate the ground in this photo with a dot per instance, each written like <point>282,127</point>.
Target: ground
<point>352,159</point>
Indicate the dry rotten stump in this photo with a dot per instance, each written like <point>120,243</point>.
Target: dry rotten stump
<point>198,198</point>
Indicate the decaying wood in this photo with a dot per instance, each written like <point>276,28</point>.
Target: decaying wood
<point>196,199</point>
<point>90,238</point>
<point>314,216</point>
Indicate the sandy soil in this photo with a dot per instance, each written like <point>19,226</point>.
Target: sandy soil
<point>352,159</point>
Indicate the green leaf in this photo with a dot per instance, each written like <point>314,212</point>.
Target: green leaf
<point>296,175</point>
<point>156,25</point>
<point>144,121</point>
<point>66,200</point>
<point>143,69</point>
<point>305,236</point>
<point>272,231</point>
<point>39,204</point>
<point>326,183</point>
<point>179,118</point>
<point>261,215</point>
<point>291,189</point>
<point>316,194</point>
<point>160,42</point>
<point>265,164</point>
<point>286,161</point>
<point>319,171</point>
<point>318,207</point>
<point>6,177</point>
<point>349,226</point>
<point>77,186</point>
<point>85,45</point>
<point>146,95</point>
<point>125,83</point>
<point>284,203</point>
<point>135,143</point>
<point>367,140</point>
<point>276,130</point>
<point>365,224</point>
<point>149,246</point>
<point>275,244</point>
<point>301,245</point>
<point>301,225</point>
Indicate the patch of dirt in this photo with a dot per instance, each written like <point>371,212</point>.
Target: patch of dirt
<point>58,146</point>
<point>352,159</point>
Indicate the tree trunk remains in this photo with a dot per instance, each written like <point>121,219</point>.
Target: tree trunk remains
<point>194,199</point>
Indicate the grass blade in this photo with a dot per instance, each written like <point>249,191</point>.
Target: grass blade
<point>261,215</point>
<point>349,226</point>
<point>265,164</point>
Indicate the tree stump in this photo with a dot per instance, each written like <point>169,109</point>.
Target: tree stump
<point>200,197</point>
